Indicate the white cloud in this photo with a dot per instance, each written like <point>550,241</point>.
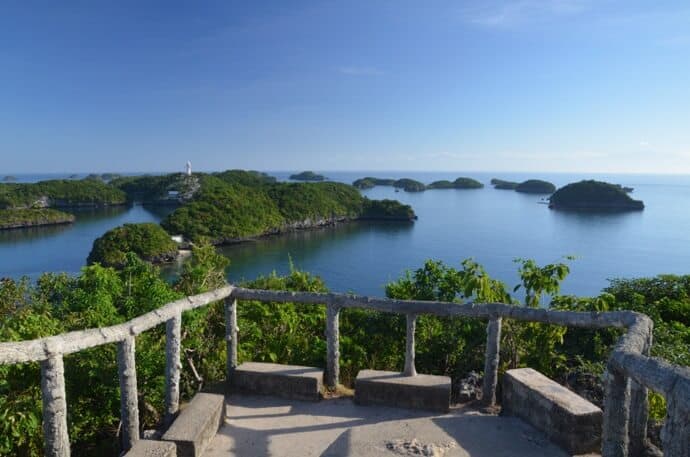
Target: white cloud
<point>360,71</point>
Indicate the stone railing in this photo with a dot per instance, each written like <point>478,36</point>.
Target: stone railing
<point>630,372</point>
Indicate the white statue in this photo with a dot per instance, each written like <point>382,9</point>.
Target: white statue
<point>188,168</point>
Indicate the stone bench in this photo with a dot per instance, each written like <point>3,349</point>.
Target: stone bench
<point>150,448</point>
<point>566,418</point>
<point>388,388</point>
<point>197,424</point>
<point>287,381</point>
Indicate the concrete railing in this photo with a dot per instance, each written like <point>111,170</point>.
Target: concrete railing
<point>630,372</point>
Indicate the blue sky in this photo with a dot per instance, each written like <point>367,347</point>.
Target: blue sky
<point>560,85</point>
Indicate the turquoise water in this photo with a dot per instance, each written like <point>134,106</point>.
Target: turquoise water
<point>492,226</point>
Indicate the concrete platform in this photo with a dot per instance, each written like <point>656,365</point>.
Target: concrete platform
<point>197,424</point>
<point>566,418</point>
<point>268,426</point>
<point>387,388</point>
<point>287,381</point>
<point>150,448</point>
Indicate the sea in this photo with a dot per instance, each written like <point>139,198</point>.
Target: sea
<point>493,227</point>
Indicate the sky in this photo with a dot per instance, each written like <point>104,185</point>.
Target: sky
<point>525,85</point>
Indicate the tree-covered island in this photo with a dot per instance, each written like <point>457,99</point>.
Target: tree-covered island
<point>412,185</point>
<point>147,240</point>
<point>60,194</point>
<point>594,195</point>
<point>535,186</point>
<point>307,176</point>
<point>21,218</point>
<point>503,184</point>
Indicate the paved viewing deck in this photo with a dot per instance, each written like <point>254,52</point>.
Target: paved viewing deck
<point>271,426</point>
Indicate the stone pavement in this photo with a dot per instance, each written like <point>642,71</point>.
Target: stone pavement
<point>269,426</point>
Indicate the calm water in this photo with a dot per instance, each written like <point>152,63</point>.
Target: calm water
<point>492,226</point>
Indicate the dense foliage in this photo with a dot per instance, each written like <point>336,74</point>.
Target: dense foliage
<point>594,195</point>
<point>59,193</point>
<point>147,240</point>
<point>294,333</point>
<point>224,212</point>
<point>12,218</point>
<point>535,186</point>
<point>307,176</point>
<point>503,185</point>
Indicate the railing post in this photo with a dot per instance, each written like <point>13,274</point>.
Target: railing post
<point>675,434</point>
<point>614,442</point>
<point>129,403</point>
<point>491,361</point>
<point>231,337</point>
<point>173,340</point>
<point>639,413</point>
<point>332,345</point>
<point>410,369</point>
<point>54,407</point>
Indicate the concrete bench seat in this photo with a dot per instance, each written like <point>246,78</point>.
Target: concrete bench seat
<point>287,381</point>
<point>197,424</point>
<point>388,388</point>
<point>150,448</point>
<point>566,418</point>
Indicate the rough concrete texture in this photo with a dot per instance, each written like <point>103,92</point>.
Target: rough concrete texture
<point>269,426</point>
<point>149,448</point>
<point>566,418</point>
<point>197,424</point>
<point>287,381</point>
<point>387,388</point>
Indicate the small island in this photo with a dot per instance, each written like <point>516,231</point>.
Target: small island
<point>535,186</point>
<point>147,240</point>
<point>460,183</point>
<point>593,196</point>
<point>9,178</point>
<point>369,182</point>
<point>23,218</point>
<point>503,184</point>
<point>307,176</point>
<point>409,185</point>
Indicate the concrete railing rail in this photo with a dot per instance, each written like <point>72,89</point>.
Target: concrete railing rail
<point>630,371</point>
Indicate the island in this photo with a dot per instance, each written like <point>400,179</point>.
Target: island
<point>593,196</point>
<point>535,186</point>
<point>369,182</point>
<point>409,185</point>
<point>60,193</point>
<point>225,211</point>
<point>460,183</point>
<point>147,240</point>
<point>9,178</point>
<point>503,185</point>
<point>307,176</point>
<point>23,218</point>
